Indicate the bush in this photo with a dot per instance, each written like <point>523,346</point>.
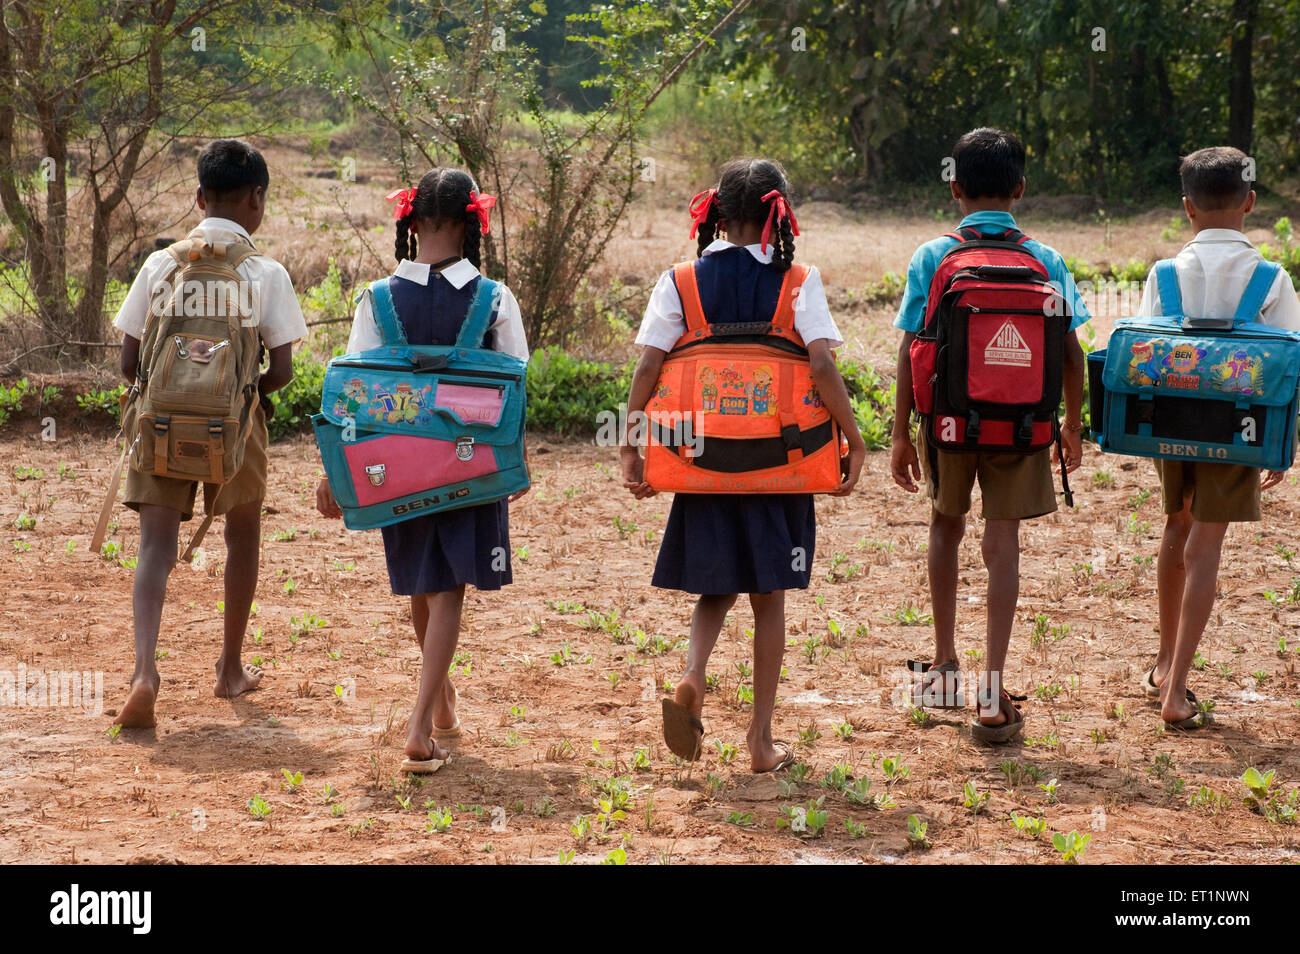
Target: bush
<point>873,405</point>
<point>565,393</point>
<point>298,400</point>
<point>1287,254</point>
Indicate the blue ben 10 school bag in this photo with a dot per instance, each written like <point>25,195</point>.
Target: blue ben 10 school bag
<point>406,430</point>
<point>1212,389</point>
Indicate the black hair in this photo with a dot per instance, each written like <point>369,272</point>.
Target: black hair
<point>742,183</point>
<point>990,163</point>
<point>441,196</point>
<point>230,167</point>
<point>1215,178</point>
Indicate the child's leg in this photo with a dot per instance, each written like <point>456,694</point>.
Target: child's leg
<point>706,623</point>
<point>444,712</point>
<point>1171,580</point>
<point>439,646</point>
<point>243,551</point>
<point>769,648</point>
<point>1201,556</point>
<point>945,542</point>
<point>159,528</point>
<point>1001,551</point>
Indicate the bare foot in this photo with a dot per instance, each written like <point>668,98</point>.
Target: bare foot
<point>764,754</point>
<point>1175,707</point>
<point>137,711</point>
<point>231,684</point>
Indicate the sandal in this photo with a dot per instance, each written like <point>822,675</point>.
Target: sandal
<point>683,732</point>
<point>1152,691</point>
<point>1197,720</point>
<point>999,734</point>
<point>424,766</point>
<point>924,695</point>
<point>785,762</point>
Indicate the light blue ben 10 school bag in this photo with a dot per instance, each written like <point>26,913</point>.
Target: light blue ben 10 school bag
<point>1212,389</point>
<point>406,430</point>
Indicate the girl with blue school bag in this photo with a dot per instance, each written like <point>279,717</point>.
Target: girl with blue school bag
<point>433,556</point>
<point>719,545</point>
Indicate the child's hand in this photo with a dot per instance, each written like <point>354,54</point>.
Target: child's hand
<point>1272,479</point>
<point>851,467</point>
<point>517,494</point>
<point>325,501</point>
<point>1072,441</point>
<point>904,465</point>
<point>634,474</point>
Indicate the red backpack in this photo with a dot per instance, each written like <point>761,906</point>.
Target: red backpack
<point>987,366</point>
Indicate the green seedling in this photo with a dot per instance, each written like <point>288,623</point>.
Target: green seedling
<point>258,808</point>
<point>974,800</point>
<point>838,777</point>
<point>844,730</point>
<point>855,829</point>
<point>1030,827</point>
<point>1049,788</point>
<point>727,751</point>
<point>894,769</point>
<point>292,780</point>
<point>806,821</point>
<point>1071,847</point>
<point>908,615</point>
<point>741,819</point>
<point>439,820</point>
<point>916,832</point>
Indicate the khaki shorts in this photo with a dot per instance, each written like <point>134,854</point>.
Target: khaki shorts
<point>1219,493</point>
<point>248,486</point>
<point>1012,486</point>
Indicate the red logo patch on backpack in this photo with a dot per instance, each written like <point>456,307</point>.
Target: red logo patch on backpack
<point>987,367</point>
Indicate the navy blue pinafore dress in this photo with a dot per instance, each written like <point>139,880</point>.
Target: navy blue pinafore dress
<point>720,544</point>
<point>442,551</point>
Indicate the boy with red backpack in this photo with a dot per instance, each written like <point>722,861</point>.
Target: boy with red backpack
<point>195,323</point>
<point>989,319</point>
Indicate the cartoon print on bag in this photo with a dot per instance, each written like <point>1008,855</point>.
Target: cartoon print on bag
<point>1144,367</point>
<point>1180,363</point>
<point>350,399</point>
<point>709,391</point>
<point>812,397</point>
<point>730,380</point>
<point>1239,374</point>
<point>400,406</point>
<point>761,391</point>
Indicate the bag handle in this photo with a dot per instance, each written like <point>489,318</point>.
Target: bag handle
<point>1171,297</point>
<point>391,332</point>
<point>478,317</point>
<point>1257,289</point>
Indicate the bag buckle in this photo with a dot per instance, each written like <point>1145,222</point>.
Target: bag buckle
<point>464,448</point>
<point>973,428</point>
<point>376,473</point>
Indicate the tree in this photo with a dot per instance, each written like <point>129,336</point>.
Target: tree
<point>1241,92</point>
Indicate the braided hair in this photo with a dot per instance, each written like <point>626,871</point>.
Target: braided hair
<point>441,196</point>
<point>742,183</point>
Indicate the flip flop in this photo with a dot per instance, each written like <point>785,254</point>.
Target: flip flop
<point>1197,720</point>
<point>786,760</point>
<point>424,766</point>
<point>926,690</point>
<point>1153,691</point>
<point>683,732</point>
<point>999,734</point>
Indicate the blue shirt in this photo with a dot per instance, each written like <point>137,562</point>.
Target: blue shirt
<point>911,312</point>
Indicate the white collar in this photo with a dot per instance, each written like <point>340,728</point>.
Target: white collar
<point>1219,235</point>
<point>458,274</point>
<point>720,245</point>
<point>222,228</point>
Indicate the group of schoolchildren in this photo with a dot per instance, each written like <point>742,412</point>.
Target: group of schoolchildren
<point>716,546</point>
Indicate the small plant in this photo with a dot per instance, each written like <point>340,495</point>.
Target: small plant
<point>1071,847</point>
<point>292,780</point>
<point>908,615</point>
<point>916,832</point>
<point>1033,828</point>
<point>918,717</point>
<point>439,820</point>
<point>974,800</point>
<point>25,521</point>
<point>804,820</point>
<point>1103,479</point>
<point>258,808</point>
<point>1049,789</point>
<point>844,730</point>
<point>727,751</point>
<point>894,769</point>
<point>741,819</point>
<point>855,829</point>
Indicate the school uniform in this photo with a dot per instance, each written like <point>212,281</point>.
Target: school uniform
<point>445,550</point>
<point>279,321</point>
<point>720,544</point>
<point>1012,486</point>
<point>1213,270</point>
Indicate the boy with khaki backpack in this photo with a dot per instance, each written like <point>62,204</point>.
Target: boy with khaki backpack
<point>195,324</point>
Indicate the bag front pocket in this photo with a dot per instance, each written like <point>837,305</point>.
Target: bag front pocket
<point>187,447</point>
<point>196,374</point>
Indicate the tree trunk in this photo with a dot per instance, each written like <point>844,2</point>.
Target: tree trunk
<point>1241,88</point>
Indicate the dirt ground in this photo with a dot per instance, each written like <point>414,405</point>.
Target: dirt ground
<point>545,741</point>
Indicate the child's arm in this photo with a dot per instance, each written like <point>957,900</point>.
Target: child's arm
<point>130,357</point>
<point>644,379</point>
<point>830,385</point>
<point>1072,430</point>
<point>904,465</point>
<point>280,371</point>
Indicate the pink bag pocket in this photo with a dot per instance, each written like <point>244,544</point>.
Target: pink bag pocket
<point>471,403</point>
<point>385,468</point>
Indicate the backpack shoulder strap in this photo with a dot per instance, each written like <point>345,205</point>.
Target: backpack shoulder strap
<point>1171,298</point>
<point>783,319</point>
<point>964,233</point>
<point>1257,289</point>
<point>689,292</point>
<point>391,332</point>
<point>478,318</point>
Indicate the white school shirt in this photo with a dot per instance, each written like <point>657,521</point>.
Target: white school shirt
<point>664,322</point>
<point>276,312</point>
<point>508,325</point>
<point>1213,270</point>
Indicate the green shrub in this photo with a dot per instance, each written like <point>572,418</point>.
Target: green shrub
<point>873,405</point>
<point>102,402</point>
<point>566,393</point>
<point>298,400</point>
<point>11,398</point>
<point>1287,253</point>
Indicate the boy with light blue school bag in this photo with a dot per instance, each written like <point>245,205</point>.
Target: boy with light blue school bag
<point>406,430</point>
<point>1205,382</point>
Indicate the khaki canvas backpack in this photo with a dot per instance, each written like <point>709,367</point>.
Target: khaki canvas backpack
<point>189,413</point>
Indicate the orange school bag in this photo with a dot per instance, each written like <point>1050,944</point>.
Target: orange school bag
<point>736,409</point>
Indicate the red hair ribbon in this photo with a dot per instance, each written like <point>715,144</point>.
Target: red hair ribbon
<point>780,210</point>
<point>699,208</point>
<point>479,203</point>
<point>403,198</point>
